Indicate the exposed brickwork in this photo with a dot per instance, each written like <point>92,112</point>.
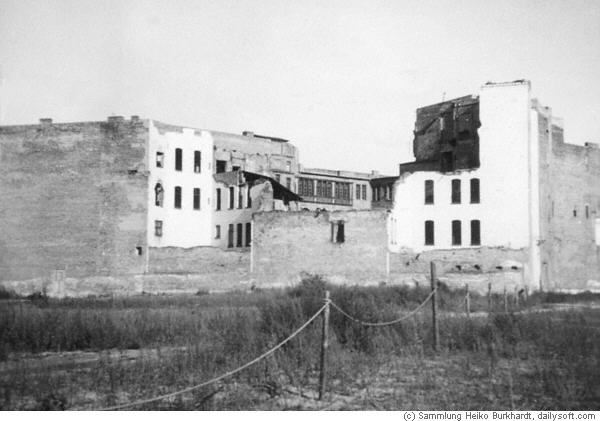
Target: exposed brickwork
<point>206,260</point>
<point>73,196</point>
<point>285,244</point>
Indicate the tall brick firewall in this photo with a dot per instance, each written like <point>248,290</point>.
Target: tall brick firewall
<point>286,244</point>
<point>73,197</point>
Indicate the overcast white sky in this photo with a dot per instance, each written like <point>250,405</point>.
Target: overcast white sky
<point>341,79</point>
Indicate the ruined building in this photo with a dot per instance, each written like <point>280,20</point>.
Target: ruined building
<point>495,194</point>
<point>127,197</point>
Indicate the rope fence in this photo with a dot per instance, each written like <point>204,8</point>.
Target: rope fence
<point>222,376</point>
<point>324,312</point>
<point>389,323</point>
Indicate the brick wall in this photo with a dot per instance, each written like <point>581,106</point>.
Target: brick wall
<point>73,196</point>
<point>205,260</point>
<point>286,244</point>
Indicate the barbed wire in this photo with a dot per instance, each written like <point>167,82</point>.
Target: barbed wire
<point>391,322</point>
<point>222,376</point>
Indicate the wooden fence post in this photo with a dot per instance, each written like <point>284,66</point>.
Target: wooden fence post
<point>489,297</point>
<point>468,301</point>
<point>324,346</point>
<point>434,322</point>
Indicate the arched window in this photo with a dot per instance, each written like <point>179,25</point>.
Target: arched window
<point>158,194</point>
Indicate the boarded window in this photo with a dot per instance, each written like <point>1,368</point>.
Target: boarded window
<point>240,233</point>
<point>474,190</point>
<point>230,236</point>
<point>475,232</point>
<point>218,205</point>
<point>178,159</point>
<point>177,197</point>
<point>364,192</point>
<point>338,234</point>
<point>158,228</point>
<point>248,234</point>
<point>159,193</point>
<point>197,161</point>
<point>456,233</point>
<point>218,231</point>
<point>428,192</point>
<point>196,198</point>
<point>160,159</point>
<point>456,190</point>
<point>429,233</point>
<point>231,197</point>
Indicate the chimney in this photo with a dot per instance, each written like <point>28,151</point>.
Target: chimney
<point>115,119</point>
<point>248,134</point>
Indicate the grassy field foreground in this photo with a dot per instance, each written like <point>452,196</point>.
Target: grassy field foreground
<point>98,352</point>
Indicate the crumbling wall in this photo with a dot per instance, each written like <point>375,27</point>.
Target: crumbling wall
<point>286,244</point>
<point>205,260</point>
<point>73,197</point>
<point>446,135</point>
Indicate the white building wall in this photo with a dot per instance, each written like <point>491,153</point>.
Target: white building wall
<point>508,196</point>
<point>185,227</point>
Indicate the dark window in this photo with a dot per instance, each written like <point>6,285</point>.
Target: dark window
<point>474,190</point>
<point>159,194</point>
<point>429,235</point>
<point>178,159</point>
<point>575,212</point>
<point>160,159</point>
<point>337,232</point>
<point>306,187</point>
<point>587,212</point>
<point>178,197</point>
<point>239,239</point>
<point>218,231</point>
<point>231,197</point>
<point>221,166</point>
<point>475,233</point>
<point>447,161</point>
<point>428,192</point>
<point>456,190</point>
<point>278,178</point>
<point>138,250</point>
<point>230,236</point>
<point>364,192</point>
<point>288,183</point>
<point>324,188</point>
<point>196,198</point>
<point>197,161</point>
<point>235,168</point>
<point>358,192</point>
<point>249,198</point>
<point>158,227</point>
<point>248,234</point>
<point>456,233</point>
<point>240,197</point>
<point>218,199</point>
<point>374,197</point>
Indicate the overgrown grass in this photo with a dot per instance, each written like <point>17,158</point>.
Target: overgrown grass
<point>184,340</point>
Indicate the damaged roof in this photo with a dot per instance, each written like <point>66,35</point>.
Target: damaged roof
<point>235,178</point>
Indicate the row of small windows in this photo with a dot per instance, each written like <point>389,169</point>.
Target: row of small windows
<point>240,198</point>
<point>236,236</point>
<point>159,197</point>
<point>160,160</point>
<point>456,191</point>
<point>326,188</point>
<point>456,233</point>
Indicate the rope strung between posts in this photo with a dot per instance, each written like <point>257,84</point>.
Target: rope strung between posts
<point>222,376</point>
<point>391,322</point>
